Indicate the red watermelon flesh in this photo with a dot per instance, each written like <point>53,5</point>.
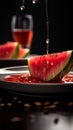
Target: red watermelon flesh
<point>9,50</point>
<point>23,52</point>
<point>51,66</point>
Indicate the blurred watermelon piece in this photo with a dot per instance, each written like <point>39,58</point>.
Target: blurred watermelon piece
<point>9,50</point>
<point>12,49</point>
<point>23,52</point>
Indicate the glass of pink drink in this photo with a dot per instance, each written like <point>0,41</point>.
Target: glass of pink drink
<point>22,30</point>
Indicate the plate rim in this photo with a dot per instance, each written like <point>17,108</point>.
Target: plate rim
<point>26,68</point>
<point>38,88</point>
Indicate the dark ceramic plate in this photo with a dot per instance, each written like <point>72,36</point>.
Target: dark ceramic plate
<point>39,88</point>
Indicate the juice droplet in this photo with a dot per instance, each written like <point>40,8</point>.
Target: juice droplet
<point>47,43</point>
<point>34,1</point>
<point>22,7</point>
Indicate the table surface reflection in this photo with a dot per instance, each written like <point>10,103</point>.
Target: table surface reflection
<point>20,112</point>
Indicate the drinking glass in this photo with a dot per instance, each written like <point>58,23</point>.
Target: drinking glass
<point>22,29</point>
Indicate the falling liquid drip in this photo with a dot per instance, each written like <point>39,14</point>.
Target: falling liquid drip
<point>47,43</point>
<point>34,1</point>
<point>47,26</point>
<point>22,7</point>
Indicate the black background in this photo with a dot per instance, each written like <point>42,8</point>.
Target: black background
<point>60,23</point>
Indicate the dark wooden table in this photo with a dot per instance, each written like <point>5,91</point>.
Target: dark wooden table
<point>28,112</point>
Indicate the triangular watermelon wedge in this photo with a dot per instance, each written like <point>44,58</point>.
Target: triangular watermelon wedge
<point>52,66</point>
<point>9,50</point>
<point>23,52</point>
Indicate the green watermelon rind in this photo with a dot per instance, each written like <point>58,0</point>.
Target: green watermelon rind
<point>27,53</point>
<point>9,50</point>
<point>16,51</point>
<point>67,68</point>
<point>23,52</point>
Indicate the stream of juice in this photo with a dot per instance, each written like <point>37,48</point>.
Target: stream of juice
<point>47,22</point>
<point>47,27</point>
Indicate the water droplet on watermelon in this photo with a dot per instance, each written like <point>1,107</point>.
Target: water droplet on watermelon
<point>52,63</point>
<point>47,62</point>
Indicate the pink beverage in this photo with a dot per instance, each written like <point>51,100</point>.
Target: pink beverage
<point>23,36</point>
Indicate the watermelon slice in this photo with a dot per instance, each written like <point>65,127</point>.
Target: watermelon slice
<point>9,50</point>
<point>23,52</point>
<point>52,66</point>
